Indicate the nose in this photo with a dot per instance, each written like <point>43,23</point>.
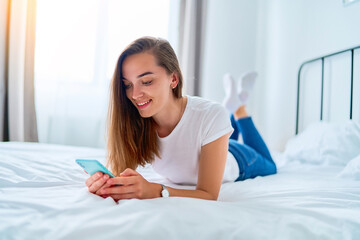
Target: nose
<point>137,92</point>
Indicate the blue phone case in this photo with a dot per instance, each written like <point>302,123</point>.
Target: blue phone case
<point>93,166</point>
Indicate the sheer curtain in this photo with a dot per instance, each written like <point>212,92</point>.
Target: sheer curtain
<point>76,56</point>
<point>192,16</point>
<point>17,110</point>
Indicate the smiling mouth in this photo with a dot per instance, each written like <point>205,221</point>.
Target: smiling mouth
<point>143,104</point>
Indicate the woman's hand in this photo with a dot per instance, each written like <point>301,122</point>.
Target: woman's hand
<point>129,185</point>
<point>96,182</point>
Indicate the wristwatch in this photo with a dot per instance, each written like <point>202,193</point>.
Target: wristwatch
<point>164,192</point>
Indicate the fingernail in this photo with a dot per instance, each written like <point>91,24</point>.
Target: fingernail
<point>99,174</point>
<point>106,176</point>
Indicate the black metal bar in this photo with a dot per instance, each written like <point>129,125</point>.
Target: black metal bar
<point>298,101</point>
<point>322,82</point>
<point>352,82</point>
<point>330,55</point>
<point>322,88</point>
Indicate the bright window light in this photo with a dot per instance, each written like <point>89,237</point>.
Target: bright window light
<point>77,45</point>
<point>70,34</point>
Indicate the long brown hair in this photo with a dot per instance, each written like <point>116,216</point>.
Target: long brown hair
<point>132,140</point>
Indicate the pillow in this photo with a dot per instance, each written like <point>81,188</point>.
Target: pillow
<point>325,143</point>
<point>352,170</point>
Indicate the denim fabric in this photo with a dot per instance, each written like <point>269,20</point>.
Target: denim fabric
<point>235,134</point>
<point>253,156</point>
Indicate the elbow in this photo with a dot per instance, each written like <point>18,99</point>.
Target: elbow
<point>208,195</point>
<point>212,196</point>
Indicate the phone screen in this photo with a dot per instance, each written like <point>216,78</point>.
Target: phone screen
<point>93,166</point>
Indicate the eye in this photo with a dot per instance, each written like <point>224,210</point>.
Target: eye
<point>127,86</point>
<point>147,83</point>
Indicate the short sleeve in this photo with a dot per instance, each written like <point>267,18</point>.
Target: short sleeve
<point>217,124</point>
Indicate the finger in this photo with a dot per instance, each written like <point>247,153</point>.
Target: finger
<point>105,185</point>
<point>93,178</point>
<point>119,190</point>
<point>98,184</point>
<point>129,172</point>
<point>123,181</point>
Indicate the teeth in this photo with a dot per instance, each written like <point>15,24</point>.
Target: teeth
<point>141,104</point>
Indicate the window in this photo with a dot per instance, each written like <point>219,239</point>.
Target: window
<point>77,46</point>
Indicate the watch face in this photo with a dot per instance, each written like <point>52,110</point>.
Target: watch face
<point>164,192</point>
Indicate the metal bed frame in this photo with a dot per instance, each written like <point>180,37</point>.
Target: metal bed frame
<point>352,50</point>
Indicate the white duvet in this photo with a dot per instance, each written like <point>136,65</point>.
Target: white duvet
<point>43,196</point>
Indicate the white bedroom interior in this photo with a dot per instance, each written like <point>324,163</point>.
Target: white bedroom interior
<point>271,37</point>
<point>55,70</point>
<point>274,38</point>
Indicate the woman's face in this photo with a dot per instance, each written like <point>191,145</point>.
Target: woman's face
<point>148,86</point>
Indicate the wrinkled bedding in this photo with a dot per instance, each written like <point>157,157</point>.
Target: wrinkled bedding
<point>43,196</point>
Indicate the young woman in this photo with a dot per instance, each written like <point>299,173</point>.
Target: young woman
<point>186,139</point>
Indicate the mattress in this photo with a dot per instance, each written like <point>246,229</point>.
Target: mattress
<point>43,196</point>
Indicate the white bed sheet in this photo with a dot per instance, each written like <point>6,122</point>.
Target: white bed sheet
<point>43,196</point>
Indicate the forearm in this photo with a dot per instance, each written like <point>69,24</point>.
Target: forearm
<point>174,192</point>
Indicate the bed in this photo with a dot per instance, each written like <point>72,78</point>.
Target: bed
<point>314,195</point>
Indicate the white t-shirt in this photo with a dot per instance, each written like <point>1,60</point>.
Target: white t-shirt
<point>203,122</point>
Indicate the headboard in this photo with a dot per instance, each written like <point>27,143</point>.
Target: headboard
<point>329,88</point>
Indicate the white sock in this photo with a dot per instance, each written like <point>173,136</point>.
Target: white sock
<point>231,100</point>
<point>245,86</point>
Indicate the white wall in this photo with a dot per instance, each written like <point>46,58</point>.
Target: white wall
<point>273,37</point>
<point>229,43</point>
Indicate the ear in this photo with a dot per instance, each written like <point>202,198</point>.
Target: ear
<point>174,80</point>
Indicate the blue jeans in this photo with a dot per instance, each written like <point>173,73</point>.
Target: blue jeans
<point>253,157</point>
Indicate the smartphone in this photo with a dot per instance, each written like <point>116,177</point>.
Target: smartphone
<point>93,166</point>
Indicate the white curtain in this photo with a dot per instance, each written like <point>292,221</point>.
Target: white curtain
<point>191,42</point>
<point>18,119</point>
<point>17,111</point>
<point>4,4</point>
<point>75,58</point>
